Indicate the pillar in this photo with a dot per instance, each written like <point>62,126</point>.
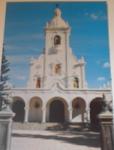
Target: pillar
<point>26,112</point>
<point>43,114</point>
<point>70,113</point>
<point>5,129</point>
<point>87,113</point>
<point>106,130</point>
<point>106,124</point>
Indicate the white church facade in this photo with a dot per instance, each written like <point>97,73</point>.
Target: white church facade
<point>57,88</point>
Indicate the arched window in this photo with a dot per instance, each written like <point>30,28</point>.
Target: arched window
<point>76,82</point>
<point>38,83</point>
<point>58,69</point>
<point>57,40</point>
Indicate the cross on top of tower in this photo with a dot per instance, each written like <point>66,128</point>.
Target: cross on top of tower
<point>57,5</point>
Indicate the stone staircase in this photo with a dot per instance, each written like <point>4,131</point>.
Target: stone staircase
<point>45,126</point>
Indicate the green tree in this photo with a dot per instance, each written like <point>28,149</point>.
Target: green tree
<point>3,81</point>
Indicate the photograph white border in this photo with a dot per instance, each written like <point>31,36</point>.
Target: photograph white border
<point>110,5</point>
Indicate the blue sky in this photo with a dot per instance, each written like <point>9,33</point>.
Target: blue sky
<point>24,37</point>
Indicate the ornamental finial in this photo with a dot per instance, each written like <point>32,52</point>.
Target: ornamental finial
<point>57,11</point>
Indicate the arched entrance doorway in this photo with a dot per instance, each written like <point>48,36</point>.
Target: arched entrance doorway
<point>95,109</point>
<point>18,107</point>
<point>78,105</point>
<point>57,111</point>
<point>35,110</point>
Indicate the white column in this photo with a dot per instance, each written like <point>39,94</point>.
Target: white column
<point>87,115</point>
<point>70,113</point>
<point>26,113</point>
<point>44,114</point>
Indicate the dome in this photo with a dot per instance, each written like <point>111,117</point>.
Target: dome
<point>57,21</point>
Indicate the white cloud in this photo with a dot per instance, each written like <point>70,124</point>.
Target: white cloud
<point>106,85</point>
<point>94,16</point>
<point>106,65</point>
<point>101,78</point>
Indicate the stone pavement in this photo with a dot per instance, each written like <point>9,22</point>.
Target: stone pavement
<point>55,140</point>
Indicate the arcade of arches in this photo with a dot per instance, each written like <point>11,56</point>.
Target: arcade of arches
<point>56,110</point>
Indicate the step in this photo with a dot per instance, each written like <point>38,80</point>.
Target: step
<point>45,126</point>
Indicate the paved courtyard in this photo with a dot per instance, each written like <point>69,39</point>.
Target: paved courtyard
<point>55,140</point>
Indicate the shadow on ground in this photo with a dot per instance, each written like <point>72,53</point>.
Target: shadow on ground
<point>72,135</point>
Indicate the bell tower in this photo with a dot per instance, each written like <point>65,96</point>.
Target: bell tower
<point>57,33</point>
